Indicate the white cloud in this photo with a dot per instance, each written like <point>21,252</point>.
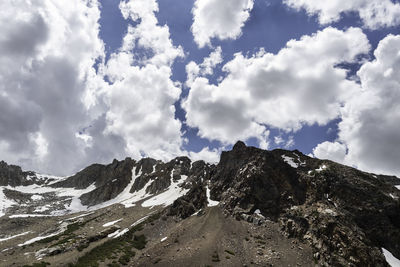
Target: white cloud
<point>194,70</point>
<point>334,151</point>
<point>210,156</point>
<point>221,19</point>
<point>299,85</point>
<point>142,95</point>
<point>373,13</point>
<point>370,117</point>
<point>57,114</point>
<point>278,140</point>
<point>47,50</point>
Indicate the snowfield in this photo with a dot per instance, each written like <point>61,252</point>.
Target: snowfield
<point>392,260</point>
<point>290,161</point>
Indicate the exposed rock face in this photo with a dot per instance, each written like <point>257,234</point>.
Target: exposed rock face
<point>112,179</point>
<point>248,178</point>
<point>346,215</point>
<point>14,176</point>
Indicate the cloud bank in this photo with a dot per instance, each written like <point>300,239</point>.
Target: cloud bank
<point>374,14</point>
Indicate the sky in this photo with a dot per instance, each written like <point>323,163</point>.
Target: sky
<point>87,81</point>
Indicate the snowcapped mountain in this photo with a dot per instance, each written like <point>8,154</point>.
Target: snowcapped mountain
<point>254,207</point>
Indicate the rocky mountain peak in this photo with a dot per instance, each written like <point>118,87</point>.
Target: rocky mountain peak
<point>239,146</point>
<point>346,216</point>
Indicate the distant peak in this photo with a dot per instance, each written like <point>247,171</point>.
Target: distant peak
<point>239,145</point>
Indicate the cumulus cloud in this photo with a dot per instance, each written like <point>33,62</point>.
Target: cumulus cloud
<point>334,151</point>
<point>47,50</point>
<point>207,67</point>
<point>373,13</point>
<point>369,119</point>
<point>206,154</point>
<point>299,85</point>
<point>57,112</point>
<point>222,19</point>
<point>142,95</point>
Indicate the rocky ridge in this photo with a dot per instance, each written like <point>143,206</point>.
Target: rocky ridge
<point>345,215</point>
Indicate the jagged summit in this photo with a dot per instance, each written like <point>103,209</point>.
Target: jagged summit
<point>340,215</point>
<point>239,146</point>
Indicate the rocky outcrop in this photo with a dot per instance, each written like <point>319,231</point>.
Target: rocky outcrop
<point>110,181</point>
<point>248,178</point>
<point>345,214</point>
<point>13,175</point>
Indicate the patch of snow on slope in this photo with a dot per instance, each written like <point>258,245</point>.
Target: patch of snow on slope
<point>5,203</point>
<point>79,216</point>
<point>397,186</point>
<point>14,236</point>
<point>163,239</point>
<point>36,197</point>
<point>321,168</point>
<point>211,203</point>
<point>114,233</point>
<point>43,208</point>
<point>141,219</point>
<point>125,197</point>
<point>290,161</point>
<point>74,206</point>
<point>111,223</point>
<point>33,240</point>
<point>28,215</point>
<point>121,233</point>
<point>169,196</point>
<point>392,260</point>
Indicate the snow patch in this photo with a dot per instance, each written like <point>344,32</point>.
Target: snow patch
<point>141,220</point>
<point>211,203</point>
<point>391,260</point>
<point>114,233</point>
<point>79,216</point>
<point>169,196</point>
<point>33,240</point>
<point>5,203</point>
<point>290,161</point>
<point>36,197</point>
<point>125,197</point>
<point>121,233</point>
<point>397,186</point>
<point>14,236</point>
<point>43,208</point>
<point>321,168</point>
<point>111,223</point>
<point>163,239</point>
<point>28,215</point>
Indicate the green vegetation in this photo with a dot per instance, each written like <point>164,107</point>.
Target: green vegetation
<point>139,242</point>
<point>118,246</point>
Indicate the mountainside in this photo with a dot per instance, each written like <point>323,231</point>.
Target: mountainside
<point>254,208</point>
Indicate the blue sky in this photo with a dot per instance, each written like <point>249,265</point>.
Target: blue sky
<point>270,26</point>
<point>87,81</point>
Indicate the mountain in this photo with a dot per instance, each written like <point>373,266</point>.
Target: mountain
<point>254,208</point>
